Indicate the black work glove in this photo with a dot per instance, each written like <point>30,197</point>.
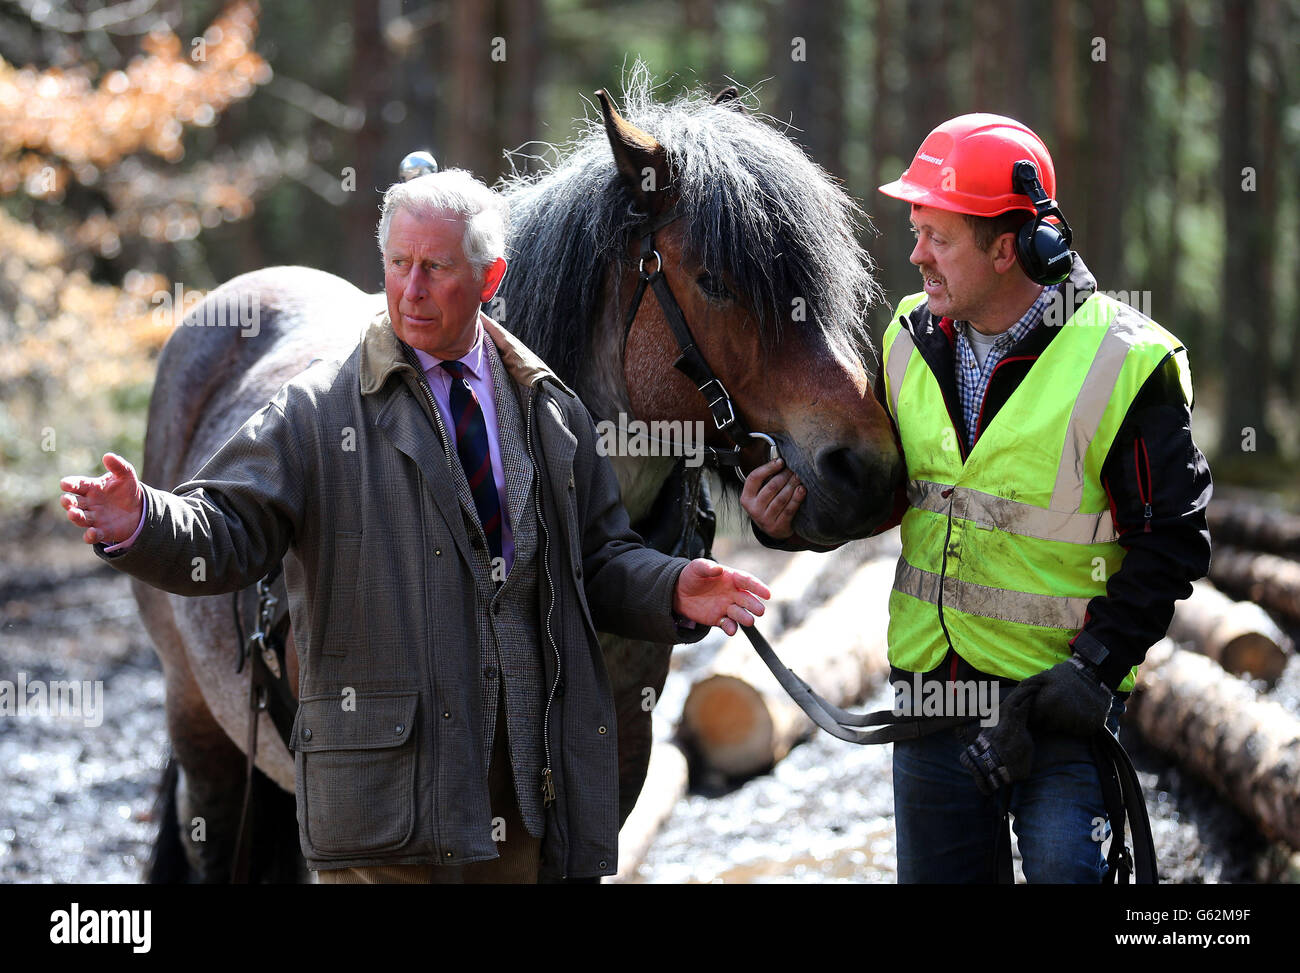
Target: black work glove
<point>1071,699</point>
<point>1004,752</point>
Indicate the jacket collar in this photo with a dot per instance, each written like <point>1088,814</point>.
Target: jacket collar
<point>382,357</point>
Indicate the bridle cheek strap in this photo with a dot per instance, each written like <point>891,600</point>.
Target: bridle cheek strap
<point>690,362</point>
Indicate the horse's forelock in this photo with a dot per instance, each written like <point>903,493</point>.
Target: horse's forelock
<point>757,211</point>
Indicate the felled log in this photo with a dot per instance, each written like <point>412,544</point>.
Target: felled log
<point>1238,635</point>
<point>739,721</point>
<point>665,784</point>
<point>797,590</point>
<point>1272,581</point>
<point>1215,725</point>
<point>1254,527</point>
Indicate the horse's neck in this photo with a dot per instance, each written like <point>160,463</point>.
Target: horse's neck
<point>640,478</point>
<point>604,392</point>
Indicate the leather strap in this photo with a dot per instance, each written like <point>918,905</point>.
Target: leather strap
<point>841,723</point>
<point>845,725</point>
<point>267,691</point>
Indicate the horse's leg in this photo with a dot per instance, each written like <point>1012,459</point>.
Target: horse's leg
<point>167,863</point>
<point>210,784</point>
<point>209,767</point>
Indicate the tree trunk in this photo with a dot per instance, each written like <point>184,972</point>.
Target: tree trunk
<point>1273,582</point>
<point>1254,528</point>
<point>1101,239</point>
<point>882,134</point>
<point>522,90</point>
<point>370,82</point>
<point>1065,104</point>
<point>1244,344</point>
<point>1217,726</point>
<point>1164,280</point>
<point>468,50</point>
<point>1271,117</point>
<point>812,76</point>
<point>1238,635</point>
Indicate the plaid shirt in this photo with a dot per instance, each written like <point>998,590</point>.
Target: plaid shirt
<point>973,381</point>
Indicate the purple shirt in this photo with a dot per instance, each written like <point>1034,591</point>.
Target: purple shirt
<point>478,372</point>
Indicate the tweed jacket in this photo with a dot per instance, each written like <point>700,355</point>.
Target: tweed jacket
<point>344,476</point>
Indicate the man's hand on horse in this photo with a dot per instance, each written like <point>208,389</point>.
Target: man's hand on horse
<point>108,506</point>
<point>771,496</point>
<point>714,594</point>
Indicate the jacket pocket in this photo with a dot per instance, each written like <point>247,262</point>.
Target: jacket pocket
<point>355,772</point>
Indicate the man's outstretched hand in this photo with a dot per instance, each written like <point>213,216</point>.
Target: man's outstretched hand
<point>108,506</point>
<point>714,594</point>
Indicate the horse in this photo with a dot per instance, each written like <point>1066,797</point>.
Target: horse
<point>758,246</point>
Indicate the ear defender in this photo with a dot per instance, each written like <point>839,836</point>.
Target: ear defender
<point>1042,249</point>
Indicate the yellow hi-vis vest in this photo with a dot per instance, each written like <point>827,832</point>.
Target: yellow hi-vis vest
<point>1006,549</point>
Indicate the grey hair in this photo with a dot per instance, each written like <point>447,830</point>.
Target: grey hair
<point>486,214</point>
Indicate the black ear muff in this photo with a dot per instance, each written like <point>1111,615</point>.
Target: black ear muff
<point>1042,248</point>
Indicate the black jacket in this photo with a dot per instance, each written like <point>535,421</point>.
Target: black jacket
<point>1157,480</point>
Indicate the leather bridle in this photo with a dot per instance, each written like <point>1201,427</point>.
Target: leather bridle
<point>690,362</point>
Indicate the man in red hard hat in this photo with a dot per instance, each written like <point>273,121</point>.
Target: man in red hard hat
<point>1053,513</point>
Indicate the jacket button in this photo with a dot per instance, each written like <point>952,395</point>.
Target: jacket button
<point>946,493</point>
<point>490,671</point>
<point>399,728</point>
<point>602,730</point>
<point>446,854</point>
<point>446,714</point>
<point>496,608</point>
<point>602,864</point>
<point>306,734</point>
<point>437,552</point>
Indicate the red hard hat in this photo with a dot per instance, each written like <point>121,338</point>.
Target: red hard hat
<point>965,166</point>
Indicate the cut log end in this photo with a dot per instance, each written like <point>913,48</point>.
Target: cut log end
<point>1255,655</point>
<point>728,724</point>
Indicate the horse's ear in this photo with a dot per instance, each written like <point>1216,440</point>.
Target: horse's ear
<point>641,160</point>
<point>729,96</point>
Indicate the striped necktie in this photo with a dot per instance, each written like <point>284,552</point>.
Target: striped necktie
<point>472,447</point>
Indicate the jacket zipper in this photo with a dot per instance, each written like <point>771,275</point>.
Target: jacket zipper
<point>548,780</point>
<point>1140,464</point>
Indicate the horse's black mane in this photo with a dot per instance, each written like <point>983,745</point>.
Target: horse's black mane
<point>757,211</point>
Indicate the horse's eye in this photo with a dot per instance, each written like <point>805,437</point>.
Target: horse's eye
<point>714,288</point>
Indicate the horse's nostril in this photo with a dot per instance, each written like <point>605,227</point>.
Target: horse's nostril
<point>843,467</point>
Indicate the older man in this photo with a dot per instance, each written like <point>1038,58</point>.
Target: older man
<point>454,544</point>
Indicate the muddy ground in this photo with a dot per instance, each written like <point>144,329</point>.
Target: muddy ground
<point>75,805</point>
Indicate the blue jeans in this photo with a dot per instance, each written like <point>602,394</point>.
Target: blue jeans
<point>948,831</point>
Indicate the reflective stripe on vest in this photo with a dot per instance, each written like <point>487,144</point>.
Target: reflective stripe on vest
<point>1018,518</point>
<point>1003,551</point>
<point>978,599</point>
